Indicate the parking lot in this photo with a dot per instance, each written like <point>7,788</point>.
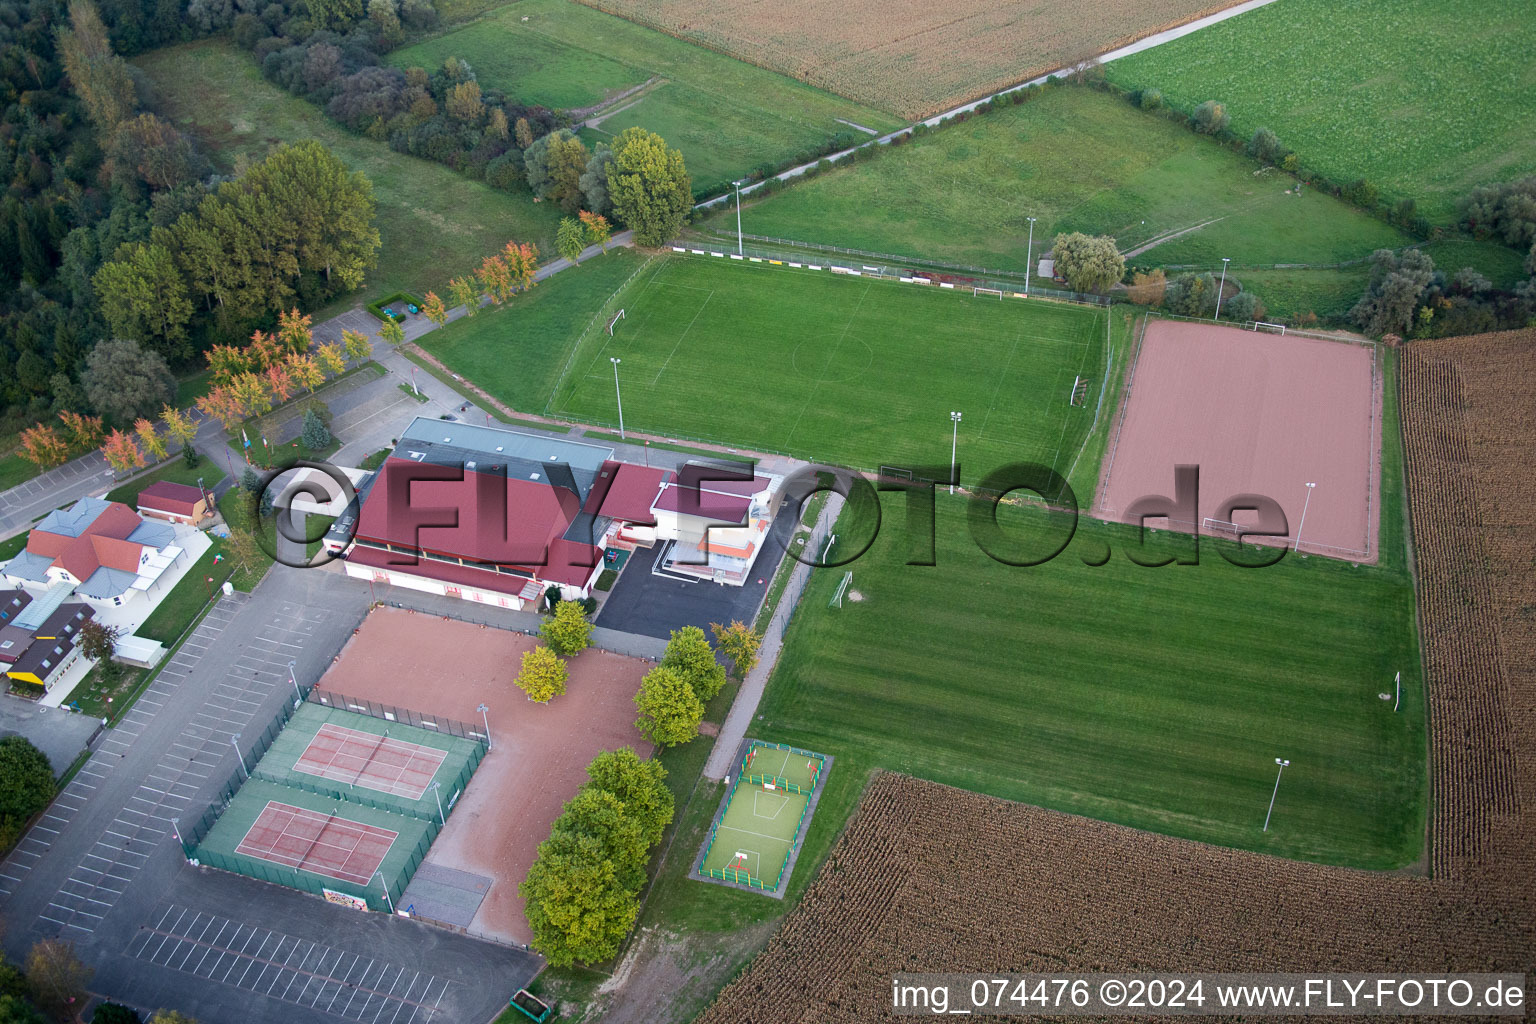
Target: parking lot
<point>655,603</point>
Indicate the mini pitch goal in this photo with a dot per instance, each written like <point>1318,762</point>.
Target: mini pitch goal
<point>763,818</point>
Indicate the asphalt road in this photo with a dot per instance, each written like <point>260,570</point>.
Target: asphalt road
<point>109,876</point>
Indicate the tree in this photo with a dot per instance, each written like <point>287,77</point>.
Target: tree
<point>98,642</point>
<point>522,260</point>
<point>333,358</point>
<point>1265,147</point>
<point>356,345</point>
<point>570,239</point>
<point>463,103</point>
<point>314,436</point>
<point>597,229</point>
<point>594,180</point>
<point>169,1017</point>
<point>122,452</point>
<point>15,1010</point>
<point>100,78</point>
<point>1391,299</point>
<point>689,655</point>
<point>670,712</point>
<point>42,446</point>
<point>143,296</point>
<point>223,405</point>
<point>1506,211</point>
<point>178,425</point>
<point>150,438</point>
<point>295,332</point>
<point>58,978</point>
<point>225,362</point>
<point>462,292</point>
<point>434,310</point>
<point>161,156</point>
<point>26,784</point>
<point>649,186</point>
<point>522,133</point>
<point>251,394</point>
<point>305,372</point>
<point>115,1013</point>
<point>392,332</point>
<point>82,432</point>
<point>1148,289</point>
<point>279,382</point>
<point>1090,264</point>
<point>568,159</point>
<point>575,903</point>
<point>125,382</point>
<point>495,278</point>
<point>740,643</point>
<point>1210,118</point>
<point>543,675</point>
<point>567,631</point>
<point>640,786</point>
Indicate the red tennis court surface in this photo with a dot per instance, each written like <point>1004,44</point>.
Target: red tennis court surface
<point>1259,413</point>
<point>377,762</point>
<point>539,752</point>
<point>310,841</point>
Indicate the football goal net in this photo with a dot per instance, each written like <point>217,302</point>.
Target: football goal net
<point>842,589</point>
<point>1079,391</point>
<point>1260,324</point>
<point>1221,526</point>
<point>616,318</point>
<point>986,291</point>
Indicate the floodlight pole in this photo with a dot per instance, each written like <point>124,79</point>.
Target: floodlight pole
<point>1303,523</point>
<point>954,449</point>
<point>1282,763</point>
<point>298,696</point>
<point>414,388</point>
<point>738,217</point>
<point>484,718</point>
<point>385,886</point>
<point>619,395</point>
<point>234,741</point>
<point>1029,257</point>
<point>442,819</point>
<point>180,841</point>
<point>1223,286</point>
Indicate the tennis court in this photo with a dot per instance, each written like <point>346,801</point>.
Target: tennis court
<point>765,814</point>
<point>377,762</point>
<point>319,843</point>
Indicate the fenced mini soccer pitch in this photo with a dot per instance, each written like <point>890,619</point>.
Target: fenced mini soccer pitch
<point>338,804</point>
<point>763,818</point>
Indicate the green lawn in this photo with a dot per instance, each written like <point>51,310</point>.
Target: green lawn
<point>1424,98</point>
<point>726,116</point>
<point>177,610</point>
<point>190,388</point>
<point>433,222</point>
<point>1080,160</point>
<point>15,470</point>
<point>516,351</point>
<point>841,369</point>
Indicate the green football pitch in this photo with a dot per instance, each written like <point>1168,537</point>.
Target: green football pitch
<point>847,370</point>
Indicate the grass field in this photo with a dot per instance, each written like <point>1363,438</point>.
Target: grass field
<point>433,222</point>
<point>515,351</point>
<point>1081,160</point>
<point>1424,98</point>
<point>839,369</point>
<point>726,116</point>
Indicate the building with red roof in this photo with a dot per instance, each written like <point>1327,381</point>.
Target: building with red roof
<point>173,502</point>
<point>102,551</point>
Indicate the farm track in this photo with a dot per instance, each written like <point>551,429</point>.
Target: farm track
<point>930,878</point>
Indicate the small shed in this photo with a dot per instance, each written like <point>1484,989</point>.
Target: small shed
<point>173,502</point>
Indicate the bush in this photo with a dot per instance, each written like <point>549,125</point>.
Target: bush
<point>1265,147</point>
<point>396,304</point>
<point>115,1013</point>
<point>1210,118</point>
<point>1150,99</point>
<point>1243,306</point>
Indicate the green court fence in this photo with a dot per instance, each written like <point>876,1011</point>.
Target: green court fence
<point>779,780</point>
<point>730,874</point>
<point>390,713</point>
<point>744,877</point>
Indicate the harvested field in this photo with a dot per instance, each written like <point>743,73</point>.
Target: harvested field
<point>913,59</point>
<point>902,891</point>
<point>539,752</point>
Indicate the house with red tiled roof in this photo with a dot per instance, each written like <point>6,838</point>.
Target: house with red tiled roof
<point>101,551</point>
<point>173,502</point>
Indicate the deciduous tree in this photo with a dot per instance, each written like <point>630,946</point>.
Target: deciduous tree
<point>567,631</point>
<point>333,359</point>
<point>1147,289</point>
<point>178,424</point>
<point>122,451</point>
<point>670,712</point>
<point>433,309</point>
<point>279,382</point>
<point>392,332</point>
<point>150,438</point>
<point>143,296</point>
<point>570,239</point>
<point>739,642</point>
<point>1089,263</point>
<point>58,978</point>
<point>689,655</point>
<point>462,292</point>
<point>495,278</point>
<point>225,363</point>
<point>640,785</point>
<point>1391,299</point>
<point>222,404</point>
<point>598,231</point>
<point>356,345</point>
<point>649,186</point>
<point>42,446</point>
<point>306,372</point>
<point>542,676</point>
<point>295,331</point>
<point>83,432</point>
<point>522,264</point>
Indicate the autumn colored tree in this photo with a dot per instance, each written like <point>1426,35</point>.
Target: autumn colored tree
<point>463,291</point>
<point>434,310</point>
<point>306,372</point>
<point>227,362</point>
<point>82,432</point>
<point>221,403</point>
<point>356,344</point>
<point>495,278</point>
<point>740,643</point>
<point>543,675</point>
<point>522,264</point>
<point>279,382</point>
<point>294,330</point>
<point>333,359</point>
<point>42,446</point>
<point>1148,289</point>
<point>122,452</point>
<point>522,133</point>
<point>150,438</point>
<point>178,424</point>
<point>250,390</point>
<point>265,350</point>
<point>599,231</point>
<point>392,332</point>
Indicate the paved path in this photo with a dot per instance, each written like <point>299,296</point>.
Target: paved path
<point>35,498</point>
<point>744,708</point>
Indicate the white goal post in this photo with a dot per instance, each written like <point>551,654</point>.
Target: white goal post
<point>616,318</point>
<point>1268,326</point>
<point>842,588</point>
<point>1220,526</point>
<point>986,291</point>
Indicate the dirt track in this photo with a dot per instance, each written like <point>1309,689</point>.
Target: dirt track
<point>539,753</point>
